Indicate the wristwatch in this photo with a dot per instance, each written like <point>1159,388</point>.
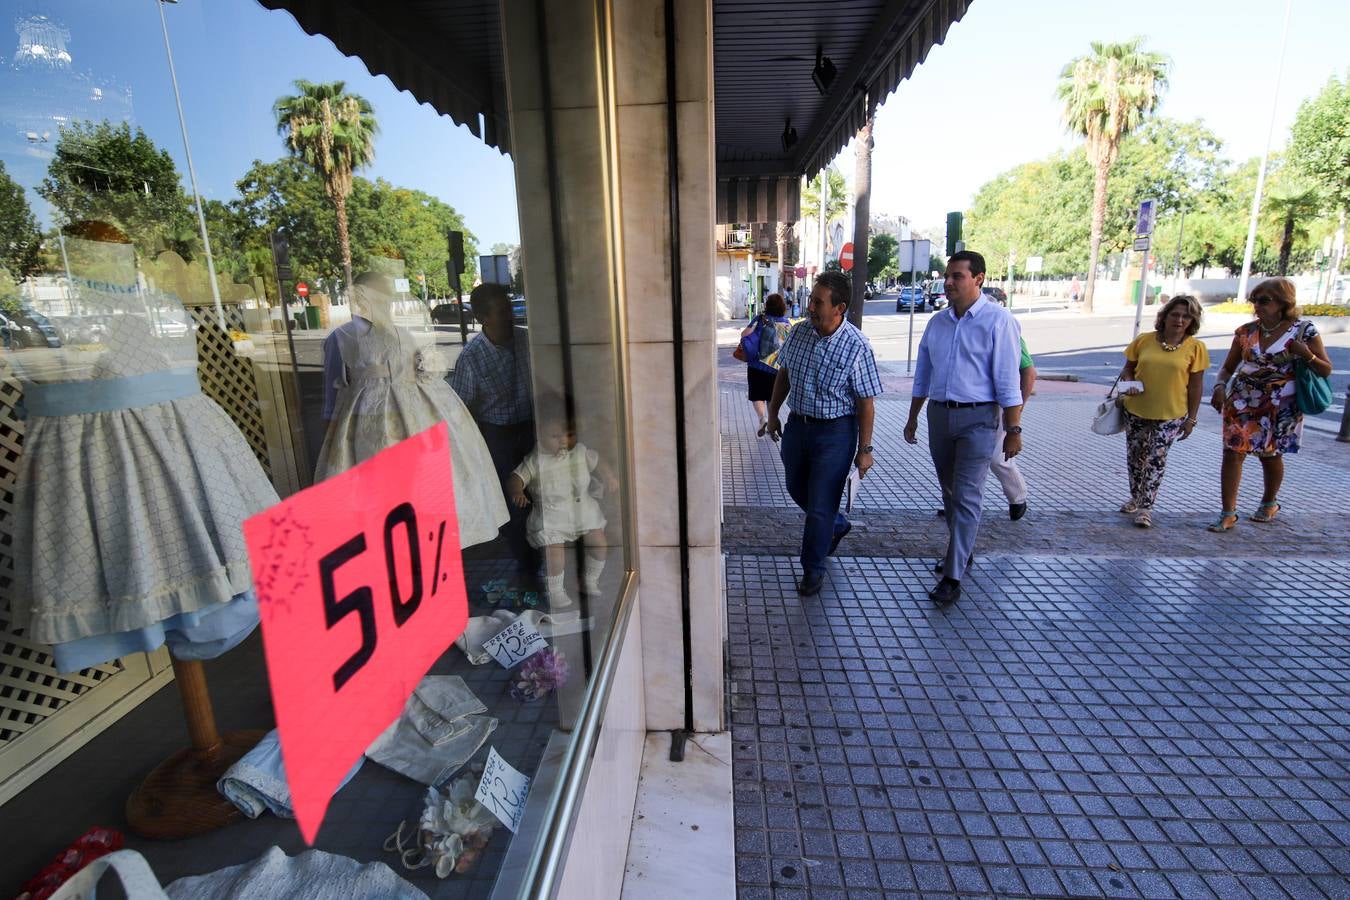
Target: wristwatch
<point>1014,429</point>
<point>867,449</point>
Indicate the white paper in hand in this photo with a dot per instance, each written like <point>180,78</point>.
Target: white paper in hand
<point>503,790</point>
<point>851,488</point>
<point>517,641</point>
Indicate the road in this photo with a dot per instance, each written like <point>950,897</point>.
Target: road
<point>1088,347</point>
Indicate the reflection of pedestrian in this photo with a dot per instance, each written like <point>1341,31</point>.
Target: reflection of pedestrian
<point>968,368</point>
<point>492,376</point>
<point>828,376</point>
<point>1261,416</point>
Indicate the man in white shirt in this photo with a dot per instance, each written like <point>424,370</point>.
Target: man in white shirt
<point>967,370</point>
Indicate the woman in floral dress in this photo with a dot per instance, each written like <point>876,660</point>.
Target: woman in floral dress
<point>1260,408</point>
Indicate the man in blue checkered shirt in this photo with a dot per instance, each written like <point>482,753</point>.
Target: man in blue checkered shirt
<point>828,376</point>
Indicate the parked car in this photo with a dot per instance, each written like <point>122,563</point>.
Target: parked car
<point>519,310</point>
<point>998,295</point>
<point>26,327</point>
<point>79,329</point>
<point>910,295</point>
<point>937,294</point>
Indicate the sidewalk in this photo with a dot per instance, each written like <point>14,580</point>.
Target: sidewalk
<point>1109,711</point>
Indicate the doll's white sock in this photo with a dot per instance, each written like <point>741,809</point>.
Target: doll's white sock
<point>557,594</point>
<point>591,577</point>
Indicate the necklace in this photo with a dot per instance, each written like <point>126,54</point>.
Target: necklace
<point>1268,331</point>
<point>1170,347</point>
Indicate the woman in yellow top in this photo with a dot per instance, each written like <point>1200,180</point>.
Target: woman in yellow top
<point>1171,365</point>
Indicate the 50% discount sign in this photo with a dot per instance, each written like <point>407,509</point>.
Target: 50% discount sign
<point>360,589</point>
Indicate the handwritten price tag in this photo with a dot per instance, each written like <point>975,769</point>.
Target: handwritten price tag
<point>360,588</point>
<point>503,790</point>
<point>517,641</point>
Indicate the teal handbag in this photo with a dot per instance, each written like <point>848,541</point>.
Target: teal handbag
<point>1314,391</point>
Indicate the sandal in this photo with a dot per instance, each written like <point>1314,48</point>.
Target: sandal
<point>1266,512</point>
<point>1129,507</point>
<point>1223,523</point>
<point>1144,518</point>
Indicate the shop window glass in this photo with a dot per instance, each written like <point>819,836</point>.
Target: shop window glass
<point>336,269</point>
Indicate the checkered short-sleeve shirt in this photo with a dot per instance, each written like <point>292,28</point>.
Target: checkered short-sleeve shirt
<point>828,375</point>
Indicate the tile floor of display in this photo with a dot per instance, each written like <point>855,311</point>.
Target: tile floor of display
<point>91,786</point>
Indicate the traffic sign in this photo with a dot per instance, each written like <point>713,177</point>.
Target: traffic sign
<point>1035,263</point>
<point>800,271</point>
<point>401,285</point>
<point>846,257</point>
<point>1148,211</point>
<point>1142,243</point>
<point>302,289</point>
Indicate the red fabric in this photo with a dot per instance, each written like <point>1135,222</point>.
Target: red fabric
<point>97,841</point>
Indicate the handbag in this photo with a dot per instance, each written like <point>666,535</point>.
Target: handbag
<point>1313,391</point>
<point>1110,415</point>
<point>748,348</point>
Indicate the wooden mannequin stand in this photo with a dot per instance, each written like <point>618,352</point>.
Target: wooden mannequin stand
<point>178,798</point>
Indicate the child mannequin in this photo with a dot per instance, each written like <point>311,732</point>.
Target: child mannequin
<point>557,474</point>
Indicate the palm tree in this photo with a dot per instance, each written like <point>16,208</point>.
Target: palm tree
<point>334,132</point>
<point>1107,94</point>
<point>1289,206</point>
<point>836,203</point>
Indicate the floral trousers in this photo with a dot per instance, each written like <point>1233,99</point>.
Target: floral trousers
<point>1146,444</point>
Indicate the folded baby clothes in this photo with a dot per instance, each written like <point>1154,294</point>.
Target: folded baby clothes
<point>313,875</point>
<point>439,730</point>
<point>481,629</point>
<point>257,782</point>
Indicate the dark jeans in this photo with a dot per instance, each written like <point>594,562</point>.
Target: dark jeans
<point>816,459</point>
<point>508,445</point>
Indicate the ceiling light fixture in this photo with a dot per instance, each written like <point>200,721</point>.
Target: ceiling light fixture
<point>824,72</point>
<point>789,136</point>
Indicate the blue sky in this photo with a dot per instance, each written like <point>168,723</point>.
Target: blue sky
<point>984,101</point>
<point>979,105</point>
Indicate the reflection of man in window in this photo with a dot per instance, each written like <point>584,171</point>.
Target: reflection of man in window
<point>492,377</point>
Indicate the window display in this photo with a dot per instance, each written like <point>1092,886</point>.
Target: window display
<point>191,337</point>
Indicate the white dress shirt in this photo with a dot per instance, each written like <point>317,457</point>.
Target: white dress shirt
<point>971,359</point>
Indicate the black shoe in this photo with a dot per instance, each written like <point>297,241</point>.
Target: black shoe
<point>946,593</point>
<point>834,544</point>
<point>941,513</point>
<point>810,584</point>
<point>1017,510</point>
<point>942,564</point>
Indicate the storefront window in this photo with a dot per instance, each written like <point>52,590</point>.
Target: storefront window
<point>202,319</point>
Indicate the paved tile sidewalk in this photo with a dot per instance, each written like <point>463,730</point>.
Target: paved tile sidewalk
<point>1085,727</point>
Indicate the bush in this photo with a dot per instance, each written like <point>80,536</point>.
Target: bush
<point>1232,305</point>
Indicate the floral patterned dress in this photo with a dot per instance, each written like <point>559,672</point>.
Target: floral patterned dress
<point>1260,413</point>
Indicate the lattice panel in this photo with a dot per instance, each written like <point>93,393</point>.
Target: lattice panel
<point>228,379</point>
<point>31,690</point>
<point>11,448</point>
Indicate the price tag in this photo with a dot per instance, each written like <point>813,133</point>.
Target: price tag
<point>360,589</point>
<point>516,642</point>
<point>503,790</point>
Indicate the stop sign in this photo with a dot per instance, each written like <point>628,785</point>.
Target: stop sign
<point>800,271</point>
<point>846,256</point>
<point>302,289</point>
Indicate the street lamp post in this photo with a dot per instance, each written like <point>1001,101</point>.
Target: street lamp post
<point>192,172</point>
<point>1265,157</point>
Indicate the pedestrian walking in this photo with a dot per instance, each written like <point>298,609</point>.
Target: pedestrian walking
<point>967,373</point>
<point>1167,366</point>
<point>1004,468</point>
<point>764,337</point>
<point>828,376</point>
<point>1257,395</point>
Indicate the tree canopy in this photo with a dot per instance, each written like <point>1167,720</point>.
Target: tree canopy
<point>107,172</point>
<point>20,239</point>
<point>1320,144</point>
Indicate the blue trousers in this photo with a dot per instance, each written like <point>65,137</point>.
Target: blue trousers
<point>816,460</point>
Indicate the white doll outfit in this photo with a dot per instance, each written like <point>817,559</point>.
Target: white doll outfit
<point>561,506</point>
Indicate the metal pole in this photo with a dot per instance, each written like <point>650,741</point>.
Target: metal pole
<point>1176,272</point>
<point>823,195</point>
<point>192,172</point>
<point>1265,157</point>
<point>1143,294</point>
<point>913,275</point>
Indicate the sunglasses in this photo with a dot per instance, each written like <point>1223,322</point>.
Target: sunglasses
<point>1257,301</point>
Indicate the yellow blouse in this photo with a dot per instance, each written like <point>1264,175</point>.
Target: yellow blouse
<point>1165,375</point>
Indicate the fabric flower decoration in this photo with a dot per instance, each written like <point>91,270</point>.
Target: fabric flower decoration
<point>540,674</point>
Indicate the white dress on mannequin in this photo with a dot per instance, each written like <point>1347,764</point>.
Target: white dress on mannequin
<point>132,488</point>
<point>392,389</point>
